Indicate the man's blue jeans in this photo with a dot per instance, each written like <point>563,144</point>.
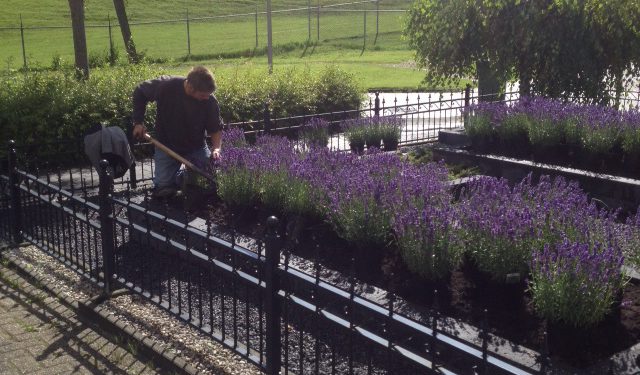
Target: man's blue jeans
<point>168,172</point>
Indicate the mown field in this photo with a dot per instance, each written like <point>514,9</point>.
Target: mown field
<point>222,35</point>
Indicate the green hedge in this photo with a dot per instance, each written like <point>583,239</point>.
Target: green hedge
<point>40,107</point>
<point>289,92</point>
<point>44,106</point>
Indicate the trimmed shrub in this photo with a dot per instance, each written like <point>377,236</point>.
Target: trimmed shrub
<point>39,107</point>
<point>289,92</point>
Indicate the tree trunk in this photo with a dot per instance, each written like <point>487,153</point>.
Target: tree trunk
<point>79,38</point>
<point>126,32</point>
<point>490,88</point>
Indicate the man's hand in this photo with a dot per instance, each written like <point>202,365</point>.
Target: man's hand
<point>139,131</point>
<point>215,154</point>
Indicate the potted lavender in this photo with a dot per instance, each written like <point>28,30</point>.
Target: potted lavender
<point>389,128</point>
<point>315,132</point>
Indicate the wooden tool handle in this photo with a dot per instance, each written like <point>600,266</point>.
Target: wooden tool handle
<point>179,158</point>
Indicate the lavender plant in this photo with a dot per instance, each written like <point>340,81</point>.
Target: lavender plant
<point>631,134</point>
<point>390,128</point>
<point>234,137</point>
<point>238,177</point>
<point>354,132</point>
<point>629,238</point>
<point>603,129</point>
<point>500,230</point>
<point>357,208</point>
<point>576,283</point>
<point>425,222</point>
<point>545,125</point>
<point>315,132</point>
<point>481,120</point>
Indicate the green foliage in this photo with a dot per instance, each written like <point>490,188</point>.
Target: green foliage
<point>38,107</point>
<point>554,48</point>
<point>479,128</point>
<point>513,129</point>
<point>363,221</point>
<point>355,136</point>
<point>545,133</point>
<point>631,143</point>
<point>289,92</point>
<point>431,258</point>
<point>238,187</point>
<point>283,193</point>
<point>420,155</point>
<point>600,141</point>
<point>500,255</point>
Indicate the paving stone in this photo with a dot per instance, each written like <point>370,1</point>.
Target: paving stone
<point>49,340</point>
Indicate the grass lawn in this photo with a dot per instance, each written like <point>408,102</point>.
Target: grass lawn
<point>379,57</point>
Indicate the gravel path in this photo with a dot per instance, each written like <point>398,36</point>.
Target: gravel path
<point>197,349</point>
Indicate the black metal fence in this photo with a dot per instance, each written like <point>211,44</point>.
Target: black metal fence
<point>251,294</point>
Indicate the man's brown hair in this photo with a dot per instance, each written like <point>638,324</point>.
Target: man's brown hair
<point>201,79</point>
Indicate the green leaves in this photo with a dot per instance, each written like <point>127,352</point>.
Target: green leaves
<point>561,48</point>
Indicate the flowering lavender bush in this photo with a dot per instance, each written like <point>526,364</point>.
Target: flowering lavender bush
<point>354,131</point>
<point>631,134</point>
<point>425,222</point>
<point>499,228</point>
<point>357,209</point>
<point>503,226</point>
<point>390,128</point>
<point>629,238</point>
<point>234,137</point>
<point>238,177</point>
<point>315,132</point>
<point>593,130</point>
<point>575,282</point>
<point>368,130</point>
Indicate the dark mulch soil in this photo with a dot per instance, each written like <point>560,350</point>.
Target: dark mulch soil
<point>465,295</point>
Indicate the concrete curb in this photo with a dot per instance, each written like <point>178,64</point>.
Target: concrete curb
<point>96,316</point>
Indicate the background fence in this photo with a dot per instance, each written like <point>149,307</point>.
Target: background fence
<point>209,33</point>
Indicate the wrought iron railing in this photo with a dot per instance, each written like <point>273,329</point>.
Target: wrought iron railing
<point>244,292</point>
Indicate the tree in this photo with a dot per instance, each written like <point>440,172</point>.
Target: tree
<point>79,37</point>
<point>123,20</point>
<point>556,48</point>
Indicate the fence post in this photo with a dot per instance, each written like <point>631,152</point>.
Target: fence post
<point>188,35</point>
<point>309,19</point>
<point>105,191</point>
<point>24,52</point>
<point>112,51</point>
<point>467,103</point>
<point>272,307</point>
<point>377,21</point>
<point>256,26</point>
<point>376,108</point>
<point>14,186</point>
<point>318,21</point>
<point>267,118</point>
<point>364,32</point>
<point>133,177</point>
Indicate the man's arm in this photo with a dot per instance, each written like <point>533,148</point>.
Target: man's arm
<point>144,93</point>
<point>216,144</point>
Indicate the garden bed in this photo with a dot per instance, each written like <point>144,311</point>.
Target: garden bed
<point>464,295</point>
<point>615,191</point>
